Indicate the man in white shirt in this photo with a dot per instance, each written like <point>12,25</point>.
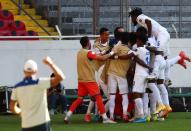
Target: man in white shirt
<point>140,78</point>
<point>29,97</point>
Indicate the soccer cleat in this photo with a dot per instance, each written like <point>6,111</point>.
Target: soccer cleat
<point>66,121</point>
<point>184,56</point>
<point>182,63</point>
<point>154,117</point>
<point>108,121</point>
<point>167,111</point>
<point>148,118</point>
<point>87,118</point>
<point>140,120</point>
<point>131,119</point>
<point>125,117</point>
<point>160,119</point>
<point>160,108</point>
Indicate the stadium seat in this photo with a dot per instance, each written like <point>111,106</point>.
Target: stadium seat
<point>31,33</point>
<point>18,26</point>
<point>18,33</point>
<point>4,25</point>
<point>6,16</point>
<point>5,33</point>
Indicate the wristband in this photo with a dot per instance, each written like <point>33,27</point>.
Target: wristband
<point>103,52</point>
<point>111,53</point>
<point>116,56</point>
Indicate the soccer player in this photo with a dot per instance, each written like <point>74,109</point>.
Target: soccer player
<point>117,76</point>
<point>30,96</point>
<point>116,38</point>
<point>100,47</point>
<point>86,79</point>
<point>140,77</point>
<point>162,37</point>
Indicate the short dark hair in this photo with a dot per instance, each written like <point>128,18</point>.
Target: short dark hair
<point>84,41</point>
<point>116,32</point>
<point>102,30</point>
<point>132,37</point>
<point>125,37</point>
<point>142,30</point>
<point>136,12</point>
<point>143,37</point>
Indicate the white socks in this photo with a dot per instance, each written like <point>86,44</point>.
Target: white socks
<point>146,104</point>
<point>156,92</point>
<point>125,103</point>
<point>68,115</point>
<point>139,107</point>
<point>164,94</point>
<point>90,107</point>
<point>112,106</point>
<point>169,64</point>
<point>173,61</point>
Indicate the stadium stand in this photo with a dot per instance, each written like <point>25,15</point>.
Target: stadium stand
<point>77,14</point>
<point>18,22</point>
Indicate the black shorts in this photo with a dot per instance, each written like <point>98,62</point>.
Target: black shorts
<point>42,127</point>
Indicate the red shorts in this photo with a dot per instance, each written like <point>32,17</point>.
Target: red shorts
<point>85,88</point>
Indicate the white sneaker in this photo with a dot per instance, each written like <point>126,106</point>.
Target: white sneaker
<point>108,121</point>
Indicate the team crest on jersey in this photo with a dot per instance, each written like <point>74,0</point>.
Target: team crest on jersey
<point>140,20</point>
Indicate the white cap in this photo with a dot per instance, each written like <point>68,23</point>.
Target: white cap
<point>30,66</point>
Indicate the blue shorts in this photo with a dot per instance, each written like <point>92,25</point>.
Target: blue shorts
<point>42,127</point>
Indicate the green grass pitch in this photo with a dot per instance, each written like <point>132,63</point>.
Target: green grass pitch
<point>175,122</point>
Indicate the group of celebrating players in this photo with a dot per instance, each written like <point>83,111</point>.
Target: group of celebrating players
<point>133,65</point>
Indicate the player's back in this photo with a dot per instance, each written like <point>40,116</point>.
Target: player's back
<point>143,54</point>
<point>120,67</point>
<point>32,98</point>
<point>85,69</point>
<point>156,27</point>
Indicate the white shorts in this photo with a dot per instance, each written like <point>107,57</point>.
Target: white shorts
<point>101,84</point>
<point>163,40</point>
<point>116,81</point>
<point>159,67</point>
<point>140,83</point>
<point>104,88</point>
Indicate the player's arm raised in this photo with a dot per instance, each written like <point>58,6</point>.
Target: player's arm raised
<point>149,26</point>
<point>59,76</point>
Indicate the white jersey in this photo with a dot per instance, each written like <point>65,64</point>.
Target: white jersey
<point>31,96</point>
<point>156,27</point>
<point>143,54</point>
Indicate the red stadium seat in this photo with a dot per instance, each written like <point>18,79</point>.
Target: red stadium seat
<point>18,26</point>
<point>4,25</point>
<point>31,33</point>
<point>18,33</point>
<point>6,16</point>
<point>5,33</point>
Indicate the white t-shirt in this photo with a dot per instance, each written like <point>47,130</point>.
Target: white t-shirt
<point>156,27</point>
<point>31,96</point>
<point>143,54</point>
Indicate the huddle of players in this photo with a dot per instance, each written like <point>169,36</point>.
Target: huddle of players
<point>131,53</point>
<point>144,54</point>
